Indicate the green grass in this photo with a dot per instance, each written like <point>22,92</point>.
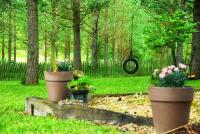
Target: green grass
<point>194,83</point>
<point>125,85</point>
<point>14,121</point>
<point>121,85</point>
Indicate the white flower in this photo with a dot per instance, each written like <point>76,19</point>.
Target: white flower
<point>171,67</point>
<point>176,69</point>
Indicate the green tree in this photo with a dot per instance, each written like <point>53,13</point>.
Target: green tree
<point>170,31</point>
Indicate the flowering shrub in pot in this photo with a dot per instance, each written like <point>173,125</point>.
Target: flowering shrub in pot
<point>170,99</point>
<point>171,76</point>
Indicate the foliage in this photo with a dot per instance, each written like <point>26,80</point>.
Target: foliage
<point>64,66</point>
<point>157,26</point>
<point>77,74</point>
<point>80,82</point>
<point>97,4</point>
<point>64,27</point>
<point>171,76</point>
<point>60,67</point>
<point>171,29</point>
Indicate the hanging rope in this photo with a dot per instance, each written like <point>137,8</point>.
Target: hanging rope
<point>130,65</point>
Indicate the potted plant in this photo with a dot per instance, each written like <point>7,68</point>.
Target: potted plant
<point>170,99</point>
<point>79,87</point>
<point>56,80</point>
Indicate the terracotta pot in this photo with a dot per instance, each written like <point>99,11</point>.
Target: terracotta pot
<point>56,85</point>
<point>170,106</point>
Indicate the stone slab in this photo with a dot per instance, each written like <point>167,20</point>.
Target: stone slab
<point>42,107</point>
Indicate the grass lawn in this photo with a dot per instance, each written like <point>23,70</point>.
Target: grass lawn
<point>125,85</point>
<point>14,121</point>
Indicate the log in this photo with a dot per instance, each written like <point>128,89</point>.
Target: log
<point>42,107</point>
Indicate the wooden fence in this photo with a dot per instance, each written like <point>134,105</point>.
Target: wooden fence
<point>17,71</point>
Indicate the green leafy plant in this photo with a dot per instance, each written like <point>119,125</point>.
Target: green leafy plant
<point>80,82</point>
<point>170,76</point>
<point>64,66</point>
<point>61,67</point>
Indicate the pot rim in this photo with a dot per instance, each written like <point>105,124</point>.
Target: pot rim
<point>58,72</point>
<point>184,87</point>
<point>58,76</point>
<point>171,94</point>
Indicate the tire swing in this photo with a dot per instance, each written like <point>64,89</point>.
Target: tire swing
<point>130,65</point>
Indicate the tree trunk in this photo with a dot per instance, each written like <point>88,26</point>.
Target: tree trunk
<point>56,52</point>
<point>32,77</point>
<point>76,29</point>
<point>88,47</point>
<point>87,51</point>
<point>183,2</point>
<point>67,46</point>
<point>180,44</point>
<point>45,45</point>
<point>179,52</point>
<point>3,38</point>
<point>196,41</point>
<point>15,37</point>
<point>10,31</point>
<point>142,2</point>
<point>95,38</point>
<point>53,36</point>
<point>106,38</point>
<point>121,47</point>
<point>114,33</point>
<point>173,53</point>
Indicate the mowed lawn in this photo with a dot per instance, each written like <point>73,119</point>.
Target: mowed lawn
<point>126,85</point>
<point>14,121</point>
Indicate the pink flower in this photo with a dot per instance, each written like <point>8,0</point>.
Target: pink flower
<point>169,71</point>
<point>162,75</point>
<point>164,70</point>
<point>182,66</point>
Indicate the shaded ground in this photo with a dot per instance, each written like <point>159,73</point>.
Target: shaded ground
<point>139,106</point>
<point>187,129</point>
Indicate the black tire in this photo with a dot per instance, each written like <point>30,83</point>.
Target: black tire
<point>134,70</point>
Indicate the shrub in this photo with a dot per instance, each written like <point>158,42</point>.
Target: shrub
<point>170,76</point>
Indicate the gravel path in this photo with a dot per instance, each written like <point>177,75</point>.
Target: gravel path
<point>138,105</point>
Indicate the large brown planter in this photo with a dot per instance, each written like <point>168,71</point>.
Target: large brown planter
<point>170,106</point>
<point>56,85</point>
